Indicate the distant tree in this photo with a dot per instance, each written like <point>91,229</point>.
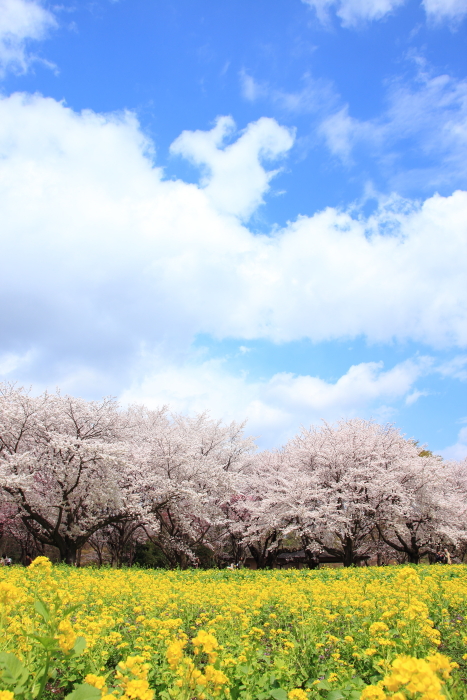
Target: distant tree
<point>121,539</point>
<point>185,469</point>
<point>189,490</point>
<point>269,508</point>
<point>329,482</point>
<point>349,488</point>
<point>426,510</point>
<point>62,466</point>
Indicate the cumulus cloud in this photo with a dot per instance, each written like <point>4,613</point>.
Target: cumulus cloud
<point>277,406</point>
<point>109,271</point>
<point>21,21</point>
<point>235,179</point>
<point>84,210</point>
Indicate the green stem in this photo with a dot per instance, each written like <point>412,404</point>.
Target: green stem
<point>44,678</point>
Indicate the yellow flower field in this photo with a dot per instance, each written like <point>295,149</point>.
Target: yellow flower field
<point>395,632</point>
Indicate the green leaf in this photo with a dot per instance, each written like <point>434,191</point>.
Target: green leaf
<point>84,692</point>
<point>71,609</point>
<point>278,693</point>
<point>47,642</point>
<point>335,695</point>
<point>41,608</point>
<point>13,671</point>
<point>323,685</point>
<point>234,692</point>
<point>80,646</point>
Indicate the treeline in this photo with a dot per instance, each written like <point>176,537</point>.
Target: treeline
<point>179,490</point>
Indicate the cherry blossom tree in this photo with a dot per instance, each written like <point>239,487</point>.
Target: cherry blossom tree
<point>352,469</point>
<point>334,485</point>
<point>429,510</point>
<point>13,530</point>
<point>456,473</point>
<point>232,546</point>
<point>62,466</point>
<point>74,472</point>
<point>120,540</point>
<point>260,515</point>
<point>185,470</point>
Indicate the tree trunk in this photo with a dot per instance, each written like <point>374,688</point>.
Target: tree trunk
<point>70,555</point>
<point>411,549</point>
<point>348,552</point>
<point>312,559</point>
<point>413,556</point>
<point>263,558</point>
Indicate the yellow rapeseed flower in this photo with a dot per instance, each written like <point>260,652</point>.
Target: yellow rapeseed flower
<point>67,635</point>
<point>6,695</point>
<point>297,694</point>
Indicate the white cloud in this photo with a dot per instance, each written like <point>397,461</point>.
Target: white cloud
<point>316,96</point>
<point>414,396</point>
<point>251,90</point>
<point>455,368</point>
<point>459,449</point>
<point>104,262</point>
<point>353,12</point>
<point>429,113</point>
<point>21,21</point>
<point>341,132</point>
<point>417,141</point>
<point>277,406</point>
<point>235,180</point>
<point>12,362</point>
<point>441,10</point>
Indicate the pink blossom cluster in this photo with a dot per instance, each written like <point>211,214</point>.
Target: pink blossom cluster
<point>76,473</point>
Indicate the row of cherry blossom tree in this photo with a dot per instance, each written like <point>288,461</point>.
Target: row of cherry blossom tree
<point>76,472</point>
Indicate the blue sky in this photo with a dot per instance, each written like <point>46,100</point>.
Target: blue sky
<point>253,208</point>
